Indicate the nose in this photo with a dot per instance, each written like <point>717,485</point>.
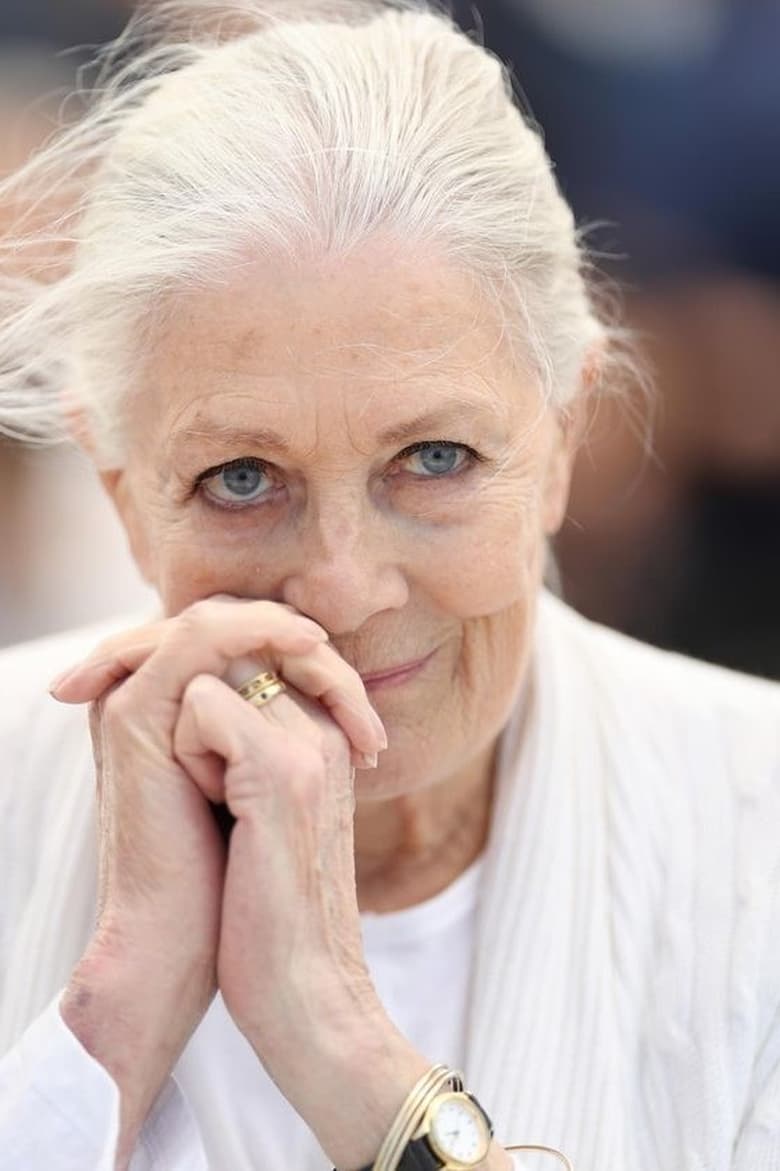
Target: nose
<point>346,569</point>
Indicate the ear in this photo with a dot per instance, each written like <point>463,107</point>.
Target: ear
<point>571,425</point>
<point>557,481</point>
<point>117,483</point>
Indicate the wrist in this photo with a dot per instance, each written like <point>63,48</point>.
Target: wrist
<point>348,1084</point>
<point>133,1025</point>
<point>375,1082</point>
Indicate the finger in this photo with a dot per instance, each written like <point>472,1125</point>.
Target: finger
<point>119,656</point>
<point>192,744</point>
<point>130,648</point>
<point>260,624</point>
<point>216,724</point>
<point>325,676</point>
<point>214,634</point>
<point>355,717</point>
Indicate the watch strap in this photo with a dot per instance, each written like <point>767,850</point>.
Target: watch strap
<point>418,1154</point>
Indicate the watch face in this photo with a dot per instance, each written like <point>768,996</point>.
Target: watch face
<point>458,1132</point>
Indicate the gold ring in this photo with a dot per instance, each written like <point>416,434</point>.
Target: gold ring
<point>262,688</point>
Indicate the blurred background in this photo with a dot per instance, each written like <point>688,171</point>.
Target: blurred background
<point>663,120</point>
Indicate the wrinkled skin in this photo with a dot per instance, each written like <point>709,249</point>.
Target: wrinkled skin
<point>430,556</point>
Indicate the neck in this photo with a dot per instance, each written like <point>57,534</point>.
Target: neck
<point>409,848</point>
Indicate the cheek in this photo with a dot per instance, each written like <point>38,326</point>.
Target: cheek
<point>485,569</point>
<point>492,591</point>
<point>192,567</point>
<point>464,571</point>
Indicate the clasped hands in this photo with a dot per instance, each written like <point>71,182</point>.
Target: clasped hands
<point>272,920</point>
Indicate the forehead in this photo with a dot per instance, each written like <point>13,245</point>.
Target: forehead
<point>375,335</point>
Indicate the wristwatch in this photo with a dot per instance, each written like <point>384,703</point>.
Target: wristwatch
<point>454,1135</point>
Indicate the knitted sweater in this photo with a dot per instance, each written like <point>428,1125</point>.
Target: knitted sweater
<point>625,999</point>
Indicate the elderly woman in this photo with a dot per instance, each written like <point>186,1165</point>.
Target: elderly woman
<point>395,862</point>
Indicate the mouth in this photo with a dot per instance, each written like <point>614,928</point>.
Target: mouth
<point>395,675</point>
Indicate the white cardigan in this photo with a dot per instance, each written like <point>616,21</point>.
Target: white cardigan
<point>625,1005</point>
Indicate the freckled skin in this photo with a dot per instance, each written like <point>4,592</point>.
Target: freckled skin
<point>392,564</point>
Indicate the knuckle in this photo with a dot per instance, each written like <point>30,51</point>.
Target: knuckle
<point>348,678</point>
<point>190,627</point>
<point>275,614</point>
<point>117,706</point>
<point>199,688</point>
<point>197,614</point>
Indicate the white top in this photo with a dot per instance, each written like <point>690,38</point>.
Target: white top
<point>58,1107</point>
<point>420,961</point>
<point>623,1002</point>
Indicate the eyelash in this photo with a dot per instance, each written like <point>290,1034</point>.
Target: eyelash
<point>474,457</point>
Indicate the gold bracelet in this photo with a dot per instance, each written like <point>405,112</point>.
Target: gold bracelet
<point>549,1150</point>
<point>383,1161</point>
<point>411,1113</point>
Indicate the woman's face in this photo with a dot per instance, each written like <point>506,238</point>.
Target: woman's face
<point>356,442</point>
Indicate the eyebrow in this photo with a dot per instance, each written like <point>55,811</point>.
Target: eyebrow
<point>433,420</point>
<point>270,440</point>
<point>224,433</point>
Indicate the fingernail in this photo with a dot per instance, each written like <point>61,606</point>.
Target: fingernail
<point>366,760</point>
<point>58,680</point>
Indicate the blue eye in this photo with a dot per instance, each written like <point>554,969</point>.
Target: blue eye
<point>437,459</point>
<point>240,482</point>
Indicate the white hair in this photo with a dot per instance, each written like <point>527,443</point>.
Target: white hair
<point>288,127</point>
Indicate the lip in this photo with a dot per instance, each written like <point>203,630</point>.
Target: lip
<point>397,674</point>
